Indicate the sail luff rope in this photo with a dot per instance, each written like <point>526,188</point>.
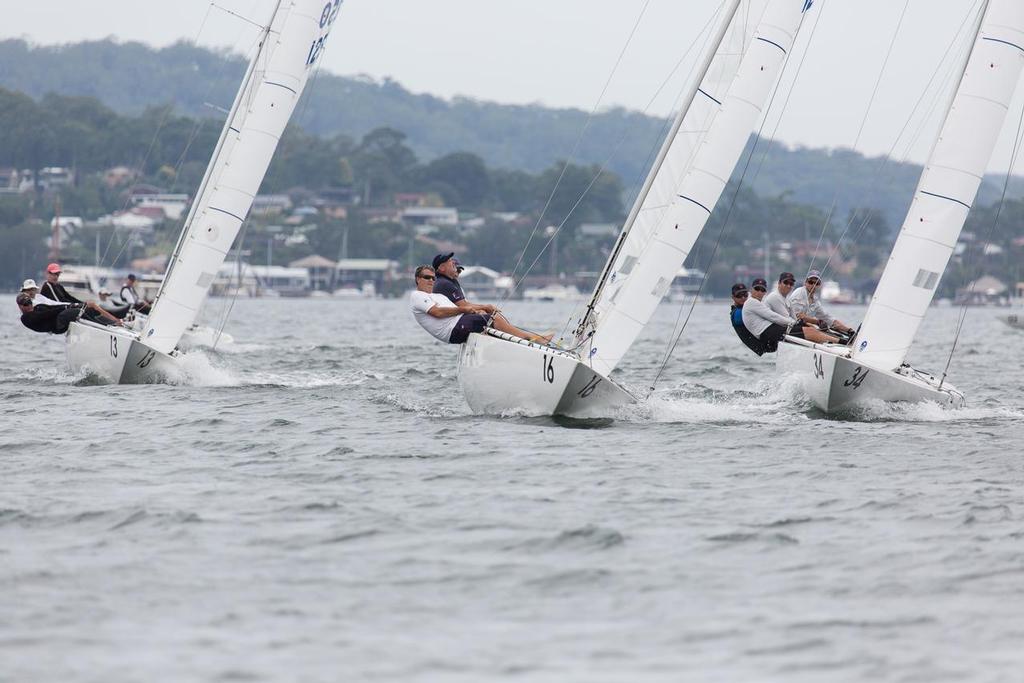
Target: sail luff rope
<point>575,149</point>
<point>988,239</point>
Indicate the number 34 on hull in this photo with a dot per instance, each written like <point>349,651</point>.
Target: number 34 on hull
<point>834,382</point>
<point>503,375</point>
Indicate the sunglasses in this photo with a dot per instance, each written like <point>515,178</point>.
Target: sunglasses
<point>427,277</point>
<point>814,282</point>
<point>760,289</point>
<point>789,282</point>
<point>741,295</point>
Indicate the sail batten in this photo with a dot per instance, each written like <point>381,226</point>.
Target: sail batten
<point>277,74</point>
<point>696,164</point>
<point>947,188</point>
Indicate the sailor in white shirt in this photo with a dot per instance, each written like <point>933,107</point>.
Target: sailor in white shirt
<point>764,323</point>
<point>777,302</point>
<point>447,322</point>
<point>805,305</point>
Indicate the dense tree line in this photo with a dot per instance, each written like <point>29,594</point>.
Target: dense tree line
<point>131,77</point>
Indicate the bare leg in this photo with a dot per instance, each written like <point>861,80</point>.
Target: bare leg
<point>501,323</point>
<point>813,334</point>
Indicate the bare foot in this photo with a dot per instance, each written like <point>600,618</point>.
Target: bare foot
<point>542,338</point>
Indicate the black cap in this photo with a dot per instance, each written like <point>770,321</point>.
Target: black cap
<point>441,258</point>
<point>131,276</point>
<point>24,299</point>
<point>787,276</point>
<point>759,282</point>
<point>738,288</point>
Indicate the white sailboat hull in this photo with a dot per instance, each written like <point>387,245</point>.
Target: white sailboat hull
<point>834,381</point>
<point>502,375</point>
<point>1016,321</point>
<point>115,355</point>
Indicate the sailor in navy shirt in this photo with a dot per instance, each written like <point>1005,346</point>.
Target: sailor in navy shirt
<point>446,268</point>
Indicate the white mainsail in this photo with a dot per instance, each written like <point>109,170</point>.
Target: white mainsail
<point>947,188</point>
<point>291,45</point>
<point>698,161</point>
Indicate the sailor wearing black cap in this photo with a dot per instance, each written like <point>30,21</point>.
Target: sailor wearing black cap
<point>764,323</point>
<point>740,295</point>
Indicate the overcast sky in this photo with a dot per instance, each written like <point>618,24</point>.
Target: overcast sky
<point>561,52</point>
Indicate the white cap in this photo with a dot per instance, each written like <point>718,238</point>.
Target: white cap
<point>29,284</point>
<point>103,290</point>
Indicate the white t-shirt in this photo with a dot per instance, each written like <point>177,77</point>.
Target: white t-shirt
<point>439,328</point>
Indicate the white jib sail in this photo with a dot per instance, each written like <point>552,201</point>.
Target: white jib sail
<point>277,75</point>
<point>714,131</point>
<point>947,188</point>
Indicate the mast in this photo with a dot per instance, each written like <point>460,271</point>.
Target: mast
<point>731,7</point>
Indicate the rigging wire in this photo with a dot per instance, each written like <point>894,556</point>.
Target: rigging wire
<point>886,161</point>
<point>863,124</point>
<point>576,146</point>
<point>725,221</point>
<point>988,239</point>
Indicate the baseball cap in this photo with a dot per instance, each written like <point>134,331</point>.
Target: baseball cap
<point>53,268</point>
<point>441,258</point>
<point>29,284</point>
<point>813,275</point>
<point>131,276</point>
<point>787,276</point>
<point>759,282</point>
<point>24,299</point>
<point>738,288</point>
<point>103,290</point>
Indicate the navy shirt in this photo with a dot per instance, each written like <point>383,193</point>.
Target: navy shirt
<point>449,287</point>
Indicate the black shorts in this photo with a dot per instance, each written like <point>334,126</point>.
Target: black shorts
<point>467,325</point>
<point>797,330</point>
<point>772,336</point>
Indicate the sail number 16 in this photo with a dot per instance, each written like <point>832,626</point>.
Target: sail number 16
<point>548,366</point>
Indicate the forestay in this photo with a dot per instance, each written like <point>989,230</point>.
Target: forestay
<point>699,161</point>
<point>277,75</point>
<point>947,188</point>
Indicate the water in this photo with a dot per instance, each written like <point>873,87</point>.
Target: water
<point>316,503</point>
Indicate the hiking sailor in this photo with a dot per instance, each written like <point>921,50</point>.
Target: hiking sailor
<point>446,269</point>
<point>768,326</point>
<point>32,289</point>
<point>447,322</point>
<point>805,303</point>
<point>777,302</point>
<point>54,290</point>
<point>55,319</point>
<point>739,298</point>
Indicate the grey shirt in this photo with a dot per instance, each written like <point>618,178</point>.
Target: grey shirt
<point>801,302</point>
<point>777,303</point>
<point>757,317</point>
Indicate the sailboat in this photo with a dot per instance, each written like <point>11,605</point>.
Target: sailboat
<point>735,77</point>
<point>874,367</point>
<point>292,41</point>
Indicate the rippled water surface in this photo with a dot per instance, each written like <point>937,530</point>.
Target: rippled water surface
<point>316,503</point>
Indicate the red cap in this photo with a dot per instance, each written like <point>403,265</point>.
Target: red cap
<point>53,268</point>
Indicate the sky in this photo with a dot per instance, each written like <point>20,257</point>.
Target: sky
<point>561,53</point>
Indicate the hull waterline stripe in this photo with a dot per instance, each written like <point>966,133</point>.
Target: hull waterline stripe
<point>1004,42</point>
<point>694,201</point>
<point>771,42</point>
<point>240,220</point>
<point>705,94</point>
<point>942,196</point>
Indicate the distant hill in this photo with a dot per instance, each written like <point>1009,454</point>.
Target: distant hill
<point>129,77</point>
